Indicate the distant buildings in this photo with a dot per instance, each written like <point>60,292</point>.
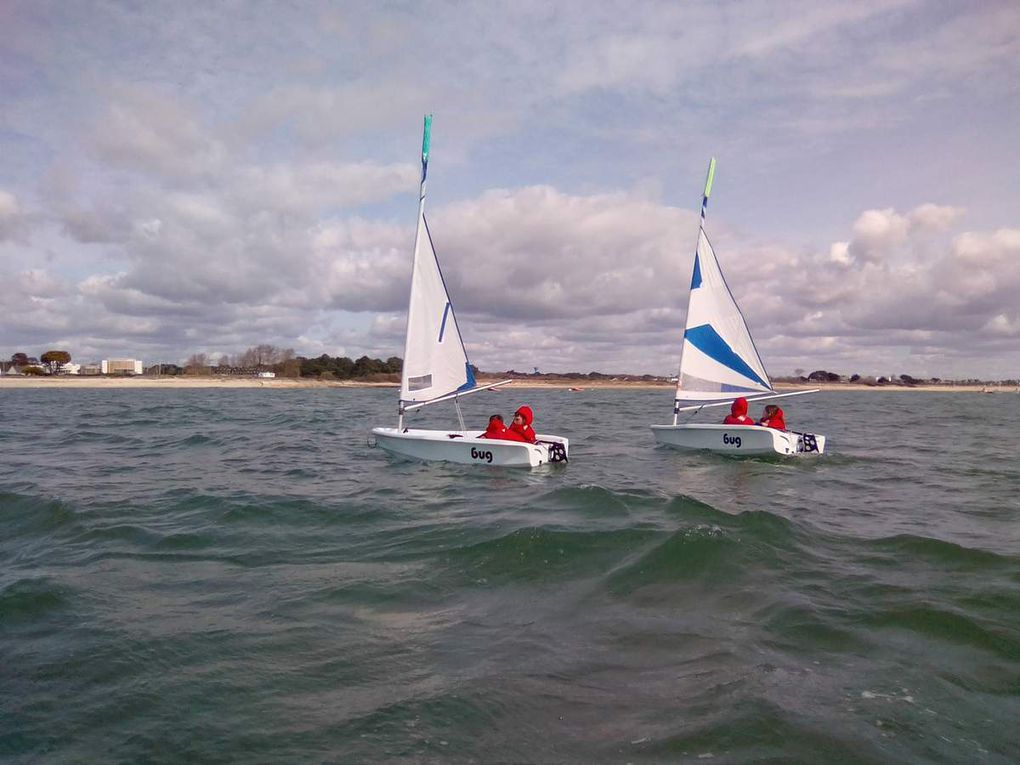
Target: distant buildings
<point>121,367</point>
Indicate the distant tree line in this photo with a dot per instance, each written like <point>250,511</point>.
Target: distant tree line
<point>283,363</point>
<point>164,368</point>
<point>326,367</point>
<point>514,374</point>
<point>822,375</point>
<point>258,358</point>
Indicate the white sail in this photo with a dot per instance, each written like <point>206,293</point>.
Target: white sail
<point>718,360</point>
<point>435,361</point>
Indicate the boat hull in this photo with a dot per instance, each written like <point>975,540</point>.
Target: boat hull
<point>466,448</point>
<point>739,439</point>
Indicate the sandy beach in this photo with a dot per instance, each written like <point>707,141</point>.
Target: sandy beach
<point>11,382</point>
<point>70,381</point>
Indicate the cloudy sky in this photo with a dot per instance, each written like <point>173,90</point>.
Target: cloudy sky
<point>206,176</point>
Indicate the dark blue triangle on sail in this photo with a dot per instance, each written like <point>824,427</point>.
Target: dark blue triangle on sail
<point>696,278</point>
<point>471,383</point>
<point>708,341</point>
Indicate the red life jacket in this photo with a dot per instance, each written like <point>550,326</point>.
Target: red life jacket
<point>738,413</point>
<point>777,421</point>
<point>525,431</point>
<point>496,429</point>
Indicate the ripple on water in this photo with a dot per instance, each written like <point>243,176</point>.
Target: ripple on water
<point>30,600</point>
<point>222,575</point>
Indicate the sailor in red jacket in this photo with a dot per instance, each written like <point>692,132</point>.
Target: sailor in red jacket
<point>772,417</point>
<point>738,413</point>
<point>496,427</point>
<point>521,425</point>
<point>498,431</point>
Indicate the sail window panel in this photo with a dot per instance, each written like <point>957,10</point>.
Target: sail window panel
<point>419,383</point>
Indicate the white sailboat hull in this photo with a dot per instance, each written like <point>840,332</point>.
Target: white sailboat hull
<point>739,439</point>
<point>466,448</point>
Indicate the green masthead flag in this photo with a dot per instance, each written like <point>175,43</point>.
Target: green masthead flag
<point>426,138</point>
<point>710,178</point>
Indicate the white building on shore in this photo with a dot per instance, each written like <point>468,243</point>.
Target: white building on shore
<point>121,367</point>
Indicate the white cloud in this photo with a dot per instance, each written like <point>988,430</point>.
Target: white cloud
<point>37,283</point>
<point>311,187</point>
<point>648,61</point>
<point>783,29</point>
<point>570,282</point>
<point>1003,326</point>
<point>537,253</point>
<point>878,232</point>
<point>9,206</point>
<point>935,217</point>
<point>839,253</point>
<point>148,131</point>
<point>202,179</point>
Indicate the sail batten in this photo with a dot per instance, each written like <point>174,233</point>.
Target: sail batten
<point>435,360</point>
<point>718,358</point>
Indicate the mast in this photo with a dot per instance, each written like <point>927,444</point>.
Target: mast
<point>425,141</point>
<point>701,227</point>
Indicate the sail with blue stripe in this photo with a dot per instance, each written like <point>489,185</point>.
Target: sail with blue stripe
<point>718,358</point>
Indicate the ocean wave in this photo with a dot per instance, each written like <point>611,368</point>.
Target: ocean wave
<point>30,515</point>
<point>32,599</point>
<point>904,548</point>
<point>119,435</point>
<point>726,549</point>
<point>539,554</point>
<point>948,625</point>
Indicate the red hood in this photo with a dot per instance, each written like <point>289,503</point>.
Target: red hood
<point>526,413</point>
<point>777,420</point>
<point>496,428</point>
<point>739,408</point>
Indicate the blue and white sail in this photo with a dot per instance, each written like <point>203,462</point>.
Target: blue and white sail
<point>435,360</point>
<point>718,359</point>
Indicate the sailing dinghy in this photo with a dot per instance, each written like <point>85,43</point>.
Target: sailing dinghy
<point>436,368</point>
<point>719,363</point>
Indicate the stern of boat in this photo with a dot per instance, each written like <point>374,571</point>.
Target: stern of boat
<point>810,443</point>
<point>557,447</point>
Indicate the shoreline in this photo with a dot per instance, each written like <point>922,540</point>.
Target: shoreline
<point>66,382</point>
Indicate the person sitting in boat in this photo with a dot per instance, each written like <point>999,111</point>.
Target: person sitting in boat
<point>496,429</point>
<point>772,417</point>
<point>521,425</point>
<point>738,413</point>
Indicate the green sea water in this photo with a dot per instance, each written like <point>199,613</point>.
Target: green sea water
<point>234,576</point>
